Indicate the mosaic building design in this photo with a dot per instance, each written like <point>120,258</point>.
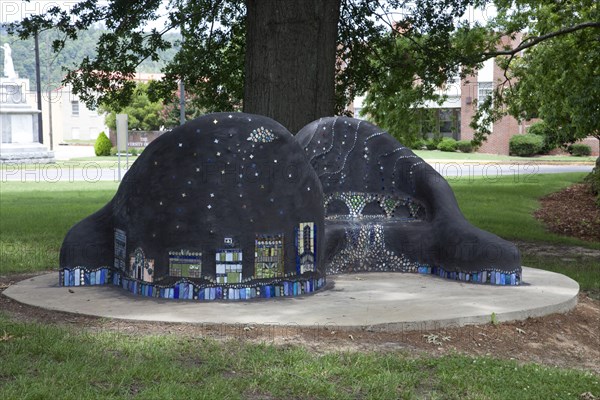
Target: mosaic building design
<point>185,263</point>
<point>268,256</point>
<point>120,250</point>
<point>141,268</point>
<point>306,239</point>
<point>229,265</point>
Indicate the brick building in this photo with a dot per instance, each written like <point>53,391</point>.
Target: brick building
<point>473,89</point>
<point>457,111</point>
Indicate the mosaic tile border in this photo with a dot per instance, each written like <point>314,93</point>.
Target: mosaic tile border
<point>185,289</point>
<point>491,276</point>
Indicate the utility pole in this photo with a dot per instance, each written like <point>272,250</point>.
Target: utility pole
<point>38,84</point>
<point>181,102</point>
<point>48,75</point>
<point>181,84</point>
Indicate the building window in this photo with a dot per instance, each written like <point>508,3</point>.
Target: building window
<point>229,265</point>
<point>268,256</point>
<point>75,108</point>
<point>306,239</point>
<point>305,247</point>
<point>484,90</point>
<point>185,263</point>
<point>450,122</point>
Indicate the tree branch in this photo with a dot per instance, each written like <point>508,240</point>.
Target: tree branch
<point>533,40</point>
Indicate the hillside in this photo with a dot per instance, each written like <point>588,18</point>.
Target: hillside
<point>74,51</point>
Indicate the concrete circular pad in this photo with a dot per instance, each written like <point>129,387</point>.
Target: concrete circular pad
<point>380,301</point>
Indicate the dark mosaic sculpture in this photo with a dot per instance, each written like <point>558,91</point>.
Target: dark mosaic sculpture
<point>231,206</point>
<point>223,207</point>
<point>388,210</point>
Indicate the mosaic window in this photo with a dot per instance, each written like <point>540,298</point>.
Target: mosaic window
<point>120,249</point>
<point>268,256</point>
<point>358,205</point>
<point>229,265</point>
<point>185,264</point>
<point>140,267</point>
<point>305,247</point>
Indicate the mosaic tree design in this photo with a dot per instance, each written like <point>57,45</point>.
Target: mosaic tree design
<point>388,210</point>
<point>210,210</point>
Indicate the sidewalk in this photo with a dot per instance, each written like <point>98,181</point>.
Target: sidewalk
<point>64,153</point>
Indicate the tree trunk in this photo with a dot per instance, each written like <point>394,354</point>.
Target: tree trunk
<point>290,60</point>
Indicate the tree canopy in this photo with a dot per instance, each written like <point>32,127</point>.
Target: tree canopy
<point>400,51</point>
<point>552,73</point>
<point>143,114</point>
<point>211,55</point>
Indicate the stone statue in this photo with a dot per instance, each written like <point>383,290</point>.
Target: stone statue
<point>9,68</point>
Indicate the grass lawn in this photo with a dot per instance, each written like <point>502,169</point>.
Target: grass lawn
<point>505,205</point>
<point>49,361</point>
<point>34,218</point>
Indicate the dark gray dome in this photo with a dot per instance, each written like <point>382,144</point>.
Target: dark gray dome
<point>388,210</point>
<point>228,185</point>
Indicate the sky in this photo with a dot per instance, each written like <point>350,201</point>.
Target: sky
<point>16,10</point>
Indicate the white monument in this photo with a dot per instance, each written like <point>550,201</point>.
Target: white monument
<point>18,120</point>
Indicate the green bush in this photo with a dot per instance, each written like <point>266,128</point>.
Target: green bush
<point>593,179</point>
<point>113,151</point>
<point>431,144</point>
<point>525,145</point>
<point>447,144</point>
<point>465,146</point>
<point>548,136</point>
<point>580,150</point>
<point>102,145</point>
<point>133,152</point>
<point>417,144</point>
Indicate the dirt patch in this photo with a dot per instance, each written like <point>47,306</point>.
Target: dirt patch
<point>556,250</point>
<point>571,212</point>
<point>570,340</point>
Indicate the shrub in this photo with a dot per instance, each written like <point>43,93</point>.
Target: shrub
<point>431,144</point>
<point>447,144</point>
<point>593,179</point>
<point>113,151</point>
<point>465,146</point>
<point>580,149</point>
<point>525,145</point>
<point>548,135</point>
<point>103,145</point>
<point>133,152</point>
<point>417,144</point>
